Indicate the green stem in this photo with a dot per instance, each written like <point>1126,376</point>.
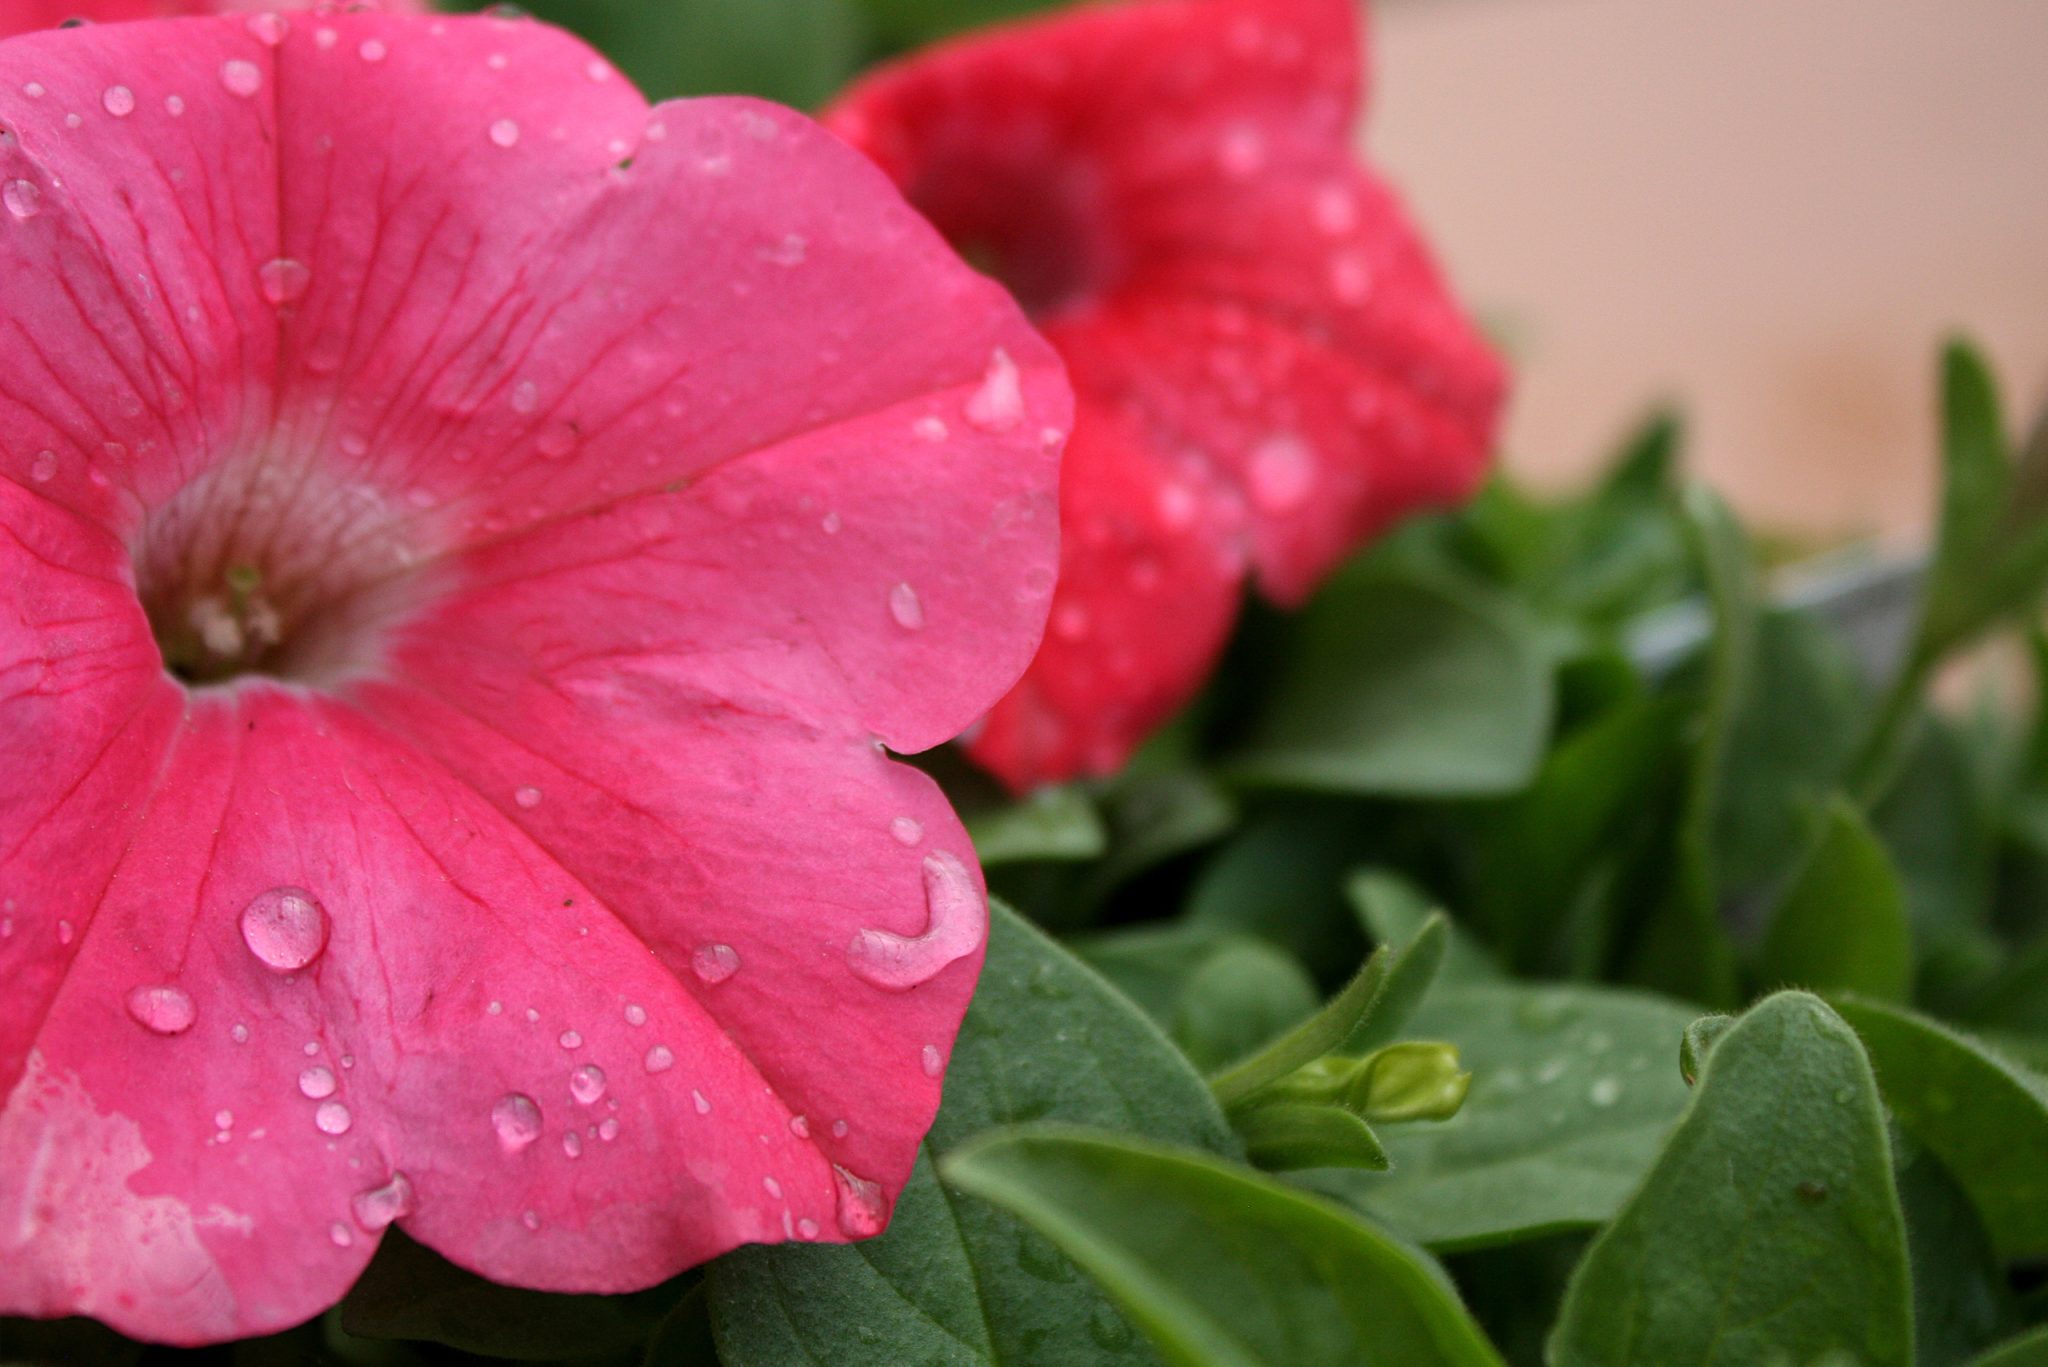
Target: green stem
<point>1892,728</point>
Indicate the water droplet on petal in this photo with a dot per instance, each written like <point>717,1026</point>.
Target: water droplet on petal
<point>23,198</point>
<point>340,1235</point>
<point>239,1033</point>
<point>373,50</point>
<point>807,1229</point>
<point>528,797</point>
<point>659,1059</point>
<point>44,467</point>
<point>907,829</point>
<point>285,928</point>
<point>516,1118</point>
<point>934,1061</point>
<point>174,105</point>
<point>608,1131</point>
<point>839,1129</point>
<point>998,405</point>
<point>570,1039</point>
<point>379,1207</point>
<point>284,280</point>
<point>1242,151</point>
<point>331,1117</point>
<point>636,1014</point>
<point>268,29</point>
<point>316,1083</point>
<point>119,101</point>
<point>525,397</point>
<point>241,78</point>
<point>905,607</point>
<point>572,1144</point>
<point>700,1101</point>
<point>772,1187</point>
<point>790,251</point>
<point>1283,470</point>
<point>930,429</point>
<point>586,1084</point>
<point>861,1211</point>
<point>1350,277</point>
<point>955,926</point>
<point>161,1010</point>
<point>505,133</point>
<point>531,1219</point>
<point>800,1127</point>
<point>715,963</point>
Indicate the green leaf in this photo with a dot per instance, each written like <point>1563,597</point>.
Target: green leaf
<point>1155,817</point>
<point>1052,823</point>
<point>959,1282</point>
<point>1960,1299</point>
<point>1976,485</point>
<point>2028,1350</point>
<point>1219,1266</point>
<point>912,22</point>
<point>1841,926</point>
<point>1282,877</point>
<point>1366,1014</point>
<point>1217,995</point>
<point>1399,686</point>
<point>1292,1135</point>
<point>1985,1118</point>
<point>1394,911</point>
<point>411,1292</point>
<point>1769,1230</point>
<point>1574,1090</point>
<point>1683,946</point>
<point>795,51</point>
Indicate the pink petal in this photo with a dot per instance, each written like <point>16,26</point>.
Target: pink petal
<point>594,729</point>
<point>25,16</point>
<point>1170,184</point>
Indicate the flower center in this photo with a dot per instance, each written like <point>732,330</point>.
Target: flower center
<point>1035,220</point>
<point>255,569</point>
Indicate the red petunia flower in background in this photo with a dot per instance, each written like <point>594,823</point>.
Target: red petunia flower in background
<point>1268,367</point>
<point>25,16</point>
<point>465,541</point>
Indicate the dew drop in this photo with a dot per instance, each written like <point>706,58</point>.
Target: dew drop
<point>839,1129</point>
<point>516,1118</point>
<point>790,251</point>
<point>956,924</point>
<point>861,1212</point>
<point>800,1127</point>
<point>241,78</point>
<point>161,1010</point>
<point>531,1219</point>
<point>118,100</point>
<point>831,523</point>
<point>572,1144</point>
<point>285,928</point>
<point>700,1101</point>
<point>907,830</point>
<point>505,133</point>
<point>316,1083</point>
<point>930,429</point>
<point>23,198</point>
<point>905,607</point>
<point>1604,1091</point>
<point>373,50</point>
<point>44,467</point>
<point>331,1117</point>
<point>64,932</point>
<point>609,1130</point>
<point>659,1059</point>
<point>223,1120</point>
<point>379,1207</point>
<point>239,1033</point>
<point>284,280</point>
<point>636,1014</point>
<point>528,797</point>
<point>1242,151</point>
<point>772,1187</point>
<point>715,963</point>
<point>558,440</point>
<point>998,405</point>
<point>340,1235</point>
<point>570,1039</point>
<point>268,29</point>
<point>598,69</point>
<point>586,1084</point>
<point>1282,473</point>
<point>174,105</point>
<point>1334,210</point>
<point>807,1229</point>
<point>934,1062</point>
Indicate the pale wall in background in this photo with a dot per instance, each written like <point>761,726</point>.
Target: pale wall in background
<point>1771,209</point>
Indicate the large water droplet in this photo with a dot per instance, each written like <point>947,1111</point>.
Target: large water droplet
<point>528,797</point>
<point>1604,1091</point>
<point>636,1014</point>
<point>23,198</point>
<point>118,100</point>
<point>715,963</point>
<point>284,280</point>
<point>285,928</point>
<point>378,1207</point>
<point>998,405</point>
<point>956,924</point>
<point>1283,470</point>
<point>586,1084</point>
<point>934,1062</point>
<point>659,1059</point>
<point>316,1083</point>
<point>161,1010</point>
<point>241,78</point>
<point>906,608</point>
<point>908,830</point>
<point>505,133</point>
<point>572,1144</point>
<point>516,1118</point>
<point>331,1117</point>
<point>861,1210</point>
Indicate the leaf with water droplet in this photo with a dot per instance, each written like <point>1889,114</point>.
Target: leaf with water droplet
<point>1045,1036</point>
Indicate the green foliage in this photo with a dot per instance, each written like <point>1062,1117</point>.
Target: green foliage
<point>1841,926</point>
<point>1769,1229</point>
<point>1219,1267</point>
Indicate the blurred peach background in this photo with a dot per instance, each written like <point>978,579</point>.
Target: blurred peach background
<point>1773,210</point>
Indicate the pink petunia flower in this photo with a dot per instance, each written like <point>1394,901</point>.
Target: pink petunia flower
<point>547,509</point>
<point>1268,367</point>
<point>25,16</point>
